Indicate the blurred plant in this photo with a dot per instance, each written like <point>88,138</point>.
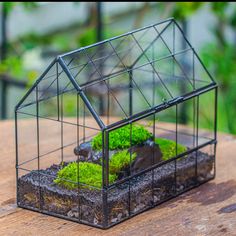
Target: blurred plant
<point>220,58</point>
<point>182,10</point>
<point>50,44</point>
<point>179,10</point>
<point>12,65</point>
<point>89,36</point>
<point>9,6</point>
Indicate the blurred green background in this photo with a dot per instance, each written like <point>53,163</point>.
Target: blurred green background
<point>33,33</point>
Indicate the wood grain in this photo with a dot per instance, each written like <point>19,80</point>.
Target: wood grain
<point>207,210</point>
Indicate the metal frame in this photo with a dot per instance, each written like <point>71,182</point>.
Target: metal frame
<point>64,76</point>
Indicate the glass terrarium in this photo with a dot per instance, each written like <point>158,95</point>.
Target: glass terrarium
<point>134,136</point>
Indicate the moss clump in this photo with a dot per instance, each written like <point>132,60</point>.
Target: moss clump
<point>120,160</point>
<point>120,138</point>
<point>89,174</point>
<point>168,148</point>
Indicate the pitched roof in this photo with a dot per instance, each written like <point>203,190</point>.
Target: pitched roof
<point>153,67</point>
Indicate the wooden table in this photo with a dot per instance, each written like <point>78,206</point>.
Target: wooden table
<point>207,210</point>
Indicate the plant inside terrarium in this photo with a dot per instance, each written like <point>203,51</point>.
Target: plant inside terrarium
<point>132,148</point>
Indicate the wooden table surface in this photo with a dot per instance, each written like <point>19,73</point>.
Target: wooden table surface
<point>207,210</point>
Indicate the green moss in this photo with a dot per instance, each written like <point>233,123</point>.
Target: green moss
<point>120,160</point>
<point>89,174</point>
<point>168,148</point>
<point>120,138</point>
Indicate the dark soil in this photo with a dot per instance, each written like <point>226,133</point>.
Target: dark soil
<point>38,191</point>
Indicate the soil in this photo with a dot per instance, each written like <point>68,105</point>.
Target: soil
<point>36,190</point>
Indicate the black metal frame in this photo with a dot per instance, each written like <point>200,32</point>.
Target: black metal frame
<point>64,65</point>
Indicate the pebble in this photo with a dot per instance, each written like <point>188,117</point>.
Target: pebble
<point>180,188</point>
<point>85,210</point>
<point>139,207</point>
<point>119,216</point>
<point>76,214</point>
<point>95,221</point>
<point>155,198</point>
<point>114,220</point>
<point>72,213</point>
<point>126,213</point>
<point>200,178</point>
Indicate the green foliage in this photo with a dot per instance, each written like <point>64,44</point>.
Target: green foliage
<point>89,36</point>
<point>219,57</point>
<point>9,6</point>
<point>182,10</point>
<point>221,63</point>
<point>89,174</point>
<point>219,9</point>
<point>120,160</point>
<point>13,66</point>
<point>120,138</point>
<point>168,148</point>
<point>232,17</point>
<point>30,41</point>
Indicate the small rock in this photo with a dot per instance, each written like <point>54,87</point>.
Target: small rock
<point>209,175</point>
<point>70,213</point>
<point>114,220</point>
<point>139,207</point>
<point>73,212</point>
<point>145,157</point>
<point>180,187</point>
<point>86,153</point>
<point>83,149</point>
<point>95,221</point>
<point>138,200</point>
<point>85,210</point>
<point>76,214</point>
<point>119,216</point>
<point>155,198</point>
<point>200,178</point>
<point>126,213</point>
<point>142,206</point>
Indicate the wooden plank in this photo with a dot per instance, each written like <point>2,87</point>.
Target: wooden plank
<point>207,210</point>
